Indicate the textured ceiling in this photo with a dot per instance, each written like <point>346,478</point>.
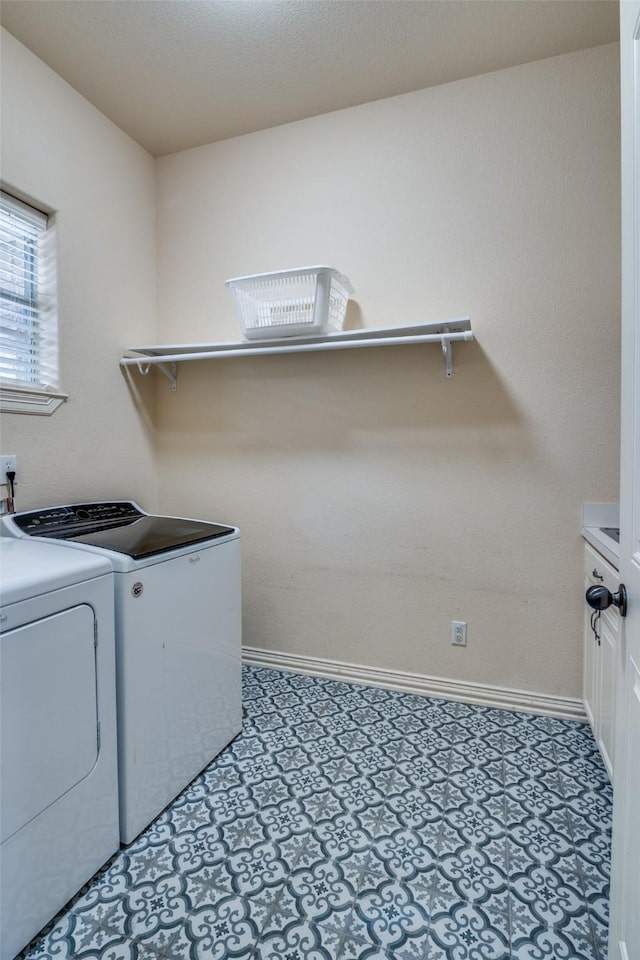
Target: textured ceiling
<point>177,73</point>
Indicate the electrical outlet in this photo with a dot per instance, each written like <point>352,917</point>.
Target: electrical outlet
<point>8,462</point>
<point>458,633</point>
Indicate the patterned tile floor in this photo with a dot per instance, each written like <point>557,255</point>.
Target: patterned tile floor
<point>351,823</point>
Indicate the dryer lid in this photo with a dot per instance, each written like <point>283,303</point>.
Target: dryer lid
<point>29,569</point>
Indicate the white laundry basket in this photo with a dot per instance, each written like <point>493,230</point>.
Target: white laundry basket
<point>292,303</point>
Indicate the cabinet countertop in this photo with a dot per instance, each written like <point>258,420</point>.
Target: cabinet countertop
<point>609,549</point>
<point>595,516</point>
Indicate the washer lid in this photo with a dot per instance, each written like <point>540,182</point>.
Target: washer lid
<point>29,569</point>
<point>148,535</point>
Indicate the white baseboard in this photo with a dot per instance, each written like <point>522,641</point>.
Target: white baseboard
<point>482,694</point>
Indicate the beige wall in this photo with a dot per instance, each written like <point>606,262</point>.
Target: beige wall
<point>60,151</point>
<point>377,500</point>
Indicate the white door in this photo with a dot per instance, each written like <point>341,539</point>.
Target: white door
<point>624,937</point>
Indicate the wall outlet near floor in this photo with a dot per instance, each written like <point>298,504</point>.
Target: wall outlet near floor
<point>8,462</point>
<point>458,633</point>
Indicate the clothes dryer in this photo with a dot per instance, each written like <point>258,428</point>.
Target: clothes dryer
<point>58,764</point>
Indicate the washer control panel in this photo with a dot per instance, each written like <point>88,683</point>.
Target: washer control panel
<point>62,522</point>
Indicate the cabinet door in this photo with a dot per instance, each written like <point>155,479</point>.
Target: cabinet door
<point>607,653</point>
<point>589,665</point>
<point>600,657</point>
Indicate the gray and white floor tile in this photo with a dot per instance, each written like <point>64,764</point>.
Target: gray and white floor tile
<point>353,823</point>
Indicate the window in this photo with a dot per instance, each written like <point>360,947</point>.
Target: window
<point>28,321</point>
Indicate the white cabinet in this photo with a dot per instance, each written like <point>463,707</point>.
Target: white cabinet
<point>601,650</point>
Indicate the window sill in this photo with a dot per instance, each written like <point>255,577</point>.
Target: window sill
<point>25,400</point>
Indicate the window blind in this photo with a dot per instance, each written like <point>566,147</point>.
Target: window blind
<point>28,327</point>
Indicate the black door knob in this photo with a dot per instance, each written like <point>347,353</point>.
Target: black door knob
<point>600,598</point>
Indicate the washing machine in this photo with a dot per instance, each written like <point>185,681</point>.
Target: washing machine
<point>178,640</point>
<point>58,760</point>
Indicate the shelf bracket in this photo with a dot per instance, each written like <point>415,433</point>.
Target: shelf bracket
<point>170,372</point>
<point>447,352</point>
